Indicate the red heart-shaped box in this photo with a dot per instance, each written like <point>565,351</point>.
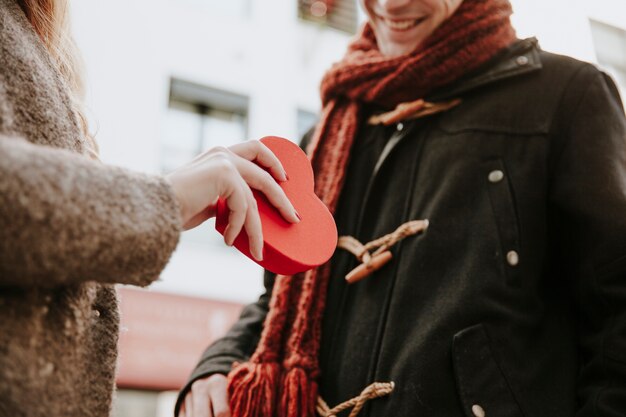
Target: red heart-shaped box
<point>289,248</point>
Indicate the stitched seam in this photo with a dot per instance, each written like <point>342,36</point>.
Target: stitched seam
<point>511,274</point>
<point>507,131</point>
<point>606,267</point>
<point>465,395</point>
<point>459,382</point>
<point>500,368</point>
<point>382,329</point>
<point>601,390</point>
<point>552,134</point>
<point>609,311</point>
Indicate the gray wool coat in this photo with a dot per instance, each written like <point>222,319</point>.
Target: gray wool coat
<point>70,228</point>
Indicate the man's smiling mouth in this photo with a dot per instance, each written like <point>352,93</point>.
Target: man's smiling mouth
<point>401,24</point>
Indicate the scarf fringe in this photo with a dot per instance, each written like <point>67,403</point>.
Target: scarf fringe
<point>252,389</point>
<point>299,394</point>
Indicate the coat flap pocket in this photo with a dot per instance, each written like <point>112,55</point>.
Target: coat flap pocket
<point>611,285</point>
<point>480,381</point>
<point>503,203</point>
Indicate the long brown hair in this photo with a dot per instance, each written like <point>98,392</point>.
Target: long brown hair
<point>50,19</point>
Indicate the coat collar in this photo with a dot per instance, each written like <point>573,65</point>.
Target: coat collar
<point>522,57</point>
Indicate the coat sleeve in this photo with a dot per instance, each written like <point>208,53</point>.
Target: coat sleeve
<point>588,198</point>
<point>65,219</point>
<point>238,344</point>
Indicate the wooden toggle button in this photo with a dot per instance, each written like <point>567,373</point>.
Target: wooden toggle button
<point>365,269</point>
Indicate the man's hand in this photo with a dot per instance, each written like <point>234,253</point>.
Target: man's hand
<point>207,398</point>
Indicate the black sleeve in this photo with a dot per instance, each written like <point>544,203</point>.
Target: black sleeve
<point>236,346</point>
<point>241,340</point>
<point>588,199</point>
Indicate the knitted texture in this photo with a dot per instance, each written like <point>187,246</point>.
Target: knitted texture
<point>70,227</point>
<point>280,378</point>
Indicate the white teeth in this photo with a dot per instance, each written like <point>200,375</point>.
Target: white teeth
<point>401,24</point>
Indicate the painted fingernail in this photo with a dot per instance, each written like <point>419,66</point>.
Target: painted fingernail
<point>298,215</point>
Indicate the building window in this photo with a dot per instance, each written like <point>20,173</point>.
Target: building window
<point>338,14</point>
<point>610,45</point>
<point>306,121</point>
<point>199,118</point>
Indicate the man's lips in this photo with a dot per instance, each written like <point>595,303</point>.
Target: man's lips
<point>401,25</point>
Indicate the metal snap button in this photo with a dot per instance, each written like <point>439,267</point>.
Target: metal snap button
<point>522,60</point>
<point>478,411</point>
<point>399,126</point>
<point>512,258</point>
<point>496,176</point>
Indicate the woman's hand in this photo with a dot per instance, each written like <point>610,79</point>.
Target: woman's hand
<point>207,398</point>
<point>230,173</point>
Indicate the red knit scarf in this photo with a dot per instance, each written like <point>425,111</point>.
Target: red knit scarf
<point>280,377</point>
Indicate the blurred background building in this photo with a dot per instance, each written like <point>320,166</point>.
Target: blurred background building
<point>168,79</point>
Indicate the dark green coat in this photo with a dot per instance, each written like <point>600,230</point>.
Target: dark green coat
<point>515,297</point>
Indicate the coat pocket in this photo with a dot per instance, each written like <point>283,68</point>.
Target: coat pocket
<point>481,384</point>
<point>610,281</point>
<point>504,209</point>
